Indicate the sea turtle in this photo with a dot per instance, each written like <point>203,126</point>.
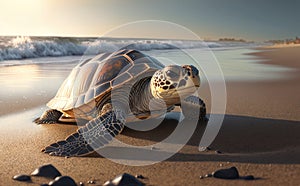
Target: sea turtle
<point>134,80</point>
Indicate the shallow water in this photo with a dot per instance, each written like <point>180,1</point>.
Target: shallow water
<point>26,86</point>
<point>233,63</point>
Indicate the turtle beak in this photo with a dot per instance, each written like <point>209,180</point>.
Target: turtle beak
<point>193,73</point>
<point>196,81</point>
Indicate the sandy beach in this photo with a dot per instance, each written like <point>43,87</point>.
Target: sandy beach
<point>259,135</point>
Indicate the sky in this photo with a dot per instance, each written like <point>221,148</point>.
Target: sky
<point>256,20</point>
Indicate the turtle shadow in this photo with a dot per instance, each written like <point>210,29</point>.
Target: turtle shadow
<point>245,134</point>
<point>240,139</point>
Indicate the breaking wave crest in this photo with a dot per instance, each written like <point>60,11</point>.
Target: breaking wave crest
<point>12,48</point>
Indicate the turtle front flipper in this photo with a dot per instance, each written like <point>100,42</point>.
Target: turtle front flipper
<point>193,108</point>
<point>49,117</point>
<point>94,135</point>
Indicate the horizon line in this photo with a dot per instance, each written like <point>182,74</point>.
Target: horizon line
<point>97,36</point>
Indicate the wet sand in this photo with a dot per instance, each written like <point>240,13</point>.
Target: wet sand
<point>259,135</point>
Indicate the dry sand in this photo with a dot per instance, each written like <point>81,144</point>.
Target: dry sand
<point>260,136</point>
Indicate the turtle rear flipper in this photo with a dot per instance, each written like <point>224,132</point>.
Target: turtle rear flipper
<point>49,117</point>
<point>94,135</point>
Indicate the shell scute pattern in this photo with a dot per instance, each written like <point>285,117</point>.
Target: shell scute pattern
<point>138,69</point>
<point>135,55</point>
<point>93,78</point>
<point>89,96</point>
<point>123,78</point>
<point>120,52</point>
<point>84,78</point>
<point>111,69</point>
<point>80,101</point>
<point>102,88</point>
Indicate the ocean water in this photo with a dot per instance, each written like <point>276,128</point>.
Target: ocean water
<point>24,47</point>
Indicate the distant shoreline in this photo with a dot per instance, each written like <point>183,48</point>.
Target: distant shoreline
<point>282,45</point>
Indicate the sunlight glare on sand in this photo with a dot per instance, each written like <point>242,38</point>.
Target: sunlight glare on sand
<point>19,76</point>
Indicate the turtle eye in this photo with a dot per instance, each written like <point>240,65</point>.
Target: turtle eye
<point>171,74</point>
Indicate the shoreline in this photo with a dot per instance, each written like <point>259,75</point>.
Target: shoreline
<point>259,135</point>
<point>289,55</point>
<point>271,99</point>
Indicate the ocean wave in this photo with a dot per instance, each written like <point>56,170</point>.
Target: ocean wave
<point>25,47</point>
<point>14,48</point>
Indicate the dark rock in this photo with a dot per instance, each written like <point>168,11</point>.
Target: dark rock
<point>48,171</point>
<point>124,180</point>
<point>231,173</point>
<point>218,152</point>
<point>249,177</point>
<point>22,177</point>
<point>139,176</point>
<point>62,181</point>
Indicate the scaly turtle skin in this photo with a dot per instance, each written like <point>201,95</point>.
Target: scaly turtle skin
<point>113,88</point>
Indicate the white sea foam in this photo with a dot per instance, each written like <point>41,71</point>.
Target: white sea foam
<point>12,48</point>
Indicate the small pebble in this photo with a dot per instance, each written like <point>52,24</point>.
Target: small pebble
<point>221,165</point>
<point>48,171</point>
<point>201,177</point>
<point>91,182</point>
<point>249,177</point>
<point>81,183</point>
<point>139,176</point>
<point>22,177</point>
<point>218,152</point>
<point>208,175</point>
<point>231,173</point>
<point>62,181</point>
<point>154,148</point>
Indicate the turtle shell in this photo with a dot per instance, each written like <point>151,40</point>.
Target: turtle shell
<point>94,78</point>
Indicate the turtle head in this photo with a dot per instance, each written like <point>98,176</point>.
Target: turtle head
<point>174,82</point>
